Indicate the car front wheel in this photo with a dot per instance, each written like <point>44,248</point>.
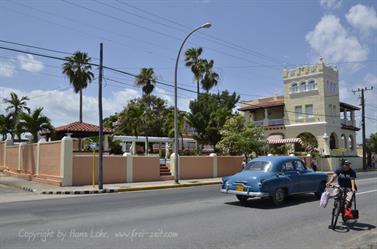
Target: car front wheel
<point>278,196</point>
<point>242,198</point>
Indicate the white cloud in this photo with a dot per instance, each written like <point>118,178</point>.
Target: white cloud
<point>6,69</point>
<point>332,41</point>
<point>62,106</point>
<point>331,4</point>
<point>363,18</point>
<point>28,63</point>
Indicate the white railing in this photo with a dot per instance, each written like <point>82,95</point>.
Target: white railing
<point>258,123</point>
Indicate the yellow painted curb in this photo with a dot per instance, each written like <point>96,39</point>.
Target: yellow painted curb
<point>184,185</point>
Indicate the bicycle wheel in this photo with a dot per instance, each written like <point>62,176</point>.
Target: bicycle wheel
<point>335,214</point>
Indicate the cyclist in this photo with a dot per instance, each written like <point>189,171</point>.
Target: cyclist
<point>346,179</point>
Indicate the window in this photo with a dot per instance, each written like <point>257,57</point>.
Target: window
<point>258,166</point>
<point>311,85</point>
<point>294,88</point>
<point>298,112</point>
<point>303,87</point>
<point>309,111</point>
<point>299,166</point>
<point>288,166</point>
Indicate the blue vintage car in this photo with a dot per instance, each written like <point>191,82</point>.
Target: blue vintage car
<point>274,177</point>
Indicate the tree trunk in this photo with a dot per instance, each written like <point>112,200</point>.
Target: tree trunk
<point>80,115</point>
<point>197,89</point>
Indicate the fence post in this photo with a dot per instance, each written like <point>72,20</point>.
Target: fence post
<point>214,165</point>
<point>66,158</point>
<point>130,168</point>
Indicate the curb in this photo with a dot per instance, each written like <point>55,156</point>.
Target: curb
<point>185,185</point>
<point>79,192</point>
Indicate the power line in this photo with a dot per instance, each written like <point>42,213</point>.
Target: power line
<point>35,47</point>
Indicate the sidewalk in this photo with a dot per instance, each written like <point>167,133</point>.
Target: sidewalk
<point>41,188</point>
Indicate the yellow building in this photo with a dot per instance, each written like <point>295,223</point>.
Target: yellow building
<point>310,107</point>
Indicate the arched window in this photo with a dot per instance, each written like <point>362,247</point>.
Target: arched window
<point>333,141</point>
<point>350,142</point>
<point>294,88</point>
<point>311,85</point>
<point>303,87</point>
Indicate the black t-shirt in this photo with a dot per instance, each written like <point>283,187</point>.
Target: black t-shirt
<point>344,177</point>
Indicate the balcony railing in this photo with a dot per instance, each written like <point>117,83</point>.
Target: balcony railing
<point>258,123</point>
<point>277,121</point>
<point>347,122</point>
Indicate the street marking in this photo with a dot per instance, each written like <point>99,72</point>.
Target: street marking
<point>366,192</point>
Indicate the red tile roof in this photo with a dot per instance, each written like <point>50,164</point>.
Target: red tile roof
<point>263,103</point>
<point>77,127</point>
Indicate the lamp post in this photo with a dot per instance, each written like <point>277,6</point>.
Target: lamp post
<point>203,26</point>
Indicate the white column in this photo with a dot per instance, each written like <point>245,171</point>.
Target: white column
<point>130,168</point>
<point>19,156</point>
<point>167,150</point>
<point>133,151</point>
<point>172,165</point>
<point>214,165</point>
<point>66,160</point>
<point>106,143</point>
<point>265,117</point>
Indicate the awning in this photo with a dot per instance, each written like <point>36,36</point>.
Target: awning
<point>284,140</point>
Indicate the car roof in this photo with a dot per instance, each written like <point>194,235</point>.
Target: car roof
<point>276,159</point>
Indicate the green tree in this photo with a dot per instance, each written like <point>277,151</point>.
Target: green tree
<point>147,80</point>
<point>34,123</point>
<point>15,107</point>
<point>169,124</point>
<point>6,125</point>
<point>78,70</point>
<point>131,119</point>
<point>372,143</point>
<point>239,136</point>
<point>210,78</point>
<point>110,120</point>
<point>208,114</point>
<point>196,64</point>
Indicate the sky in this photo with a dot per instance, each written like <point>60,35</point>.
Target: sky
<point>249,41</point>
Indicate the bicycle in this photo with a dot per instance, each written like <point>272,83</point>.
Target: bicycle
<point>339,206</point>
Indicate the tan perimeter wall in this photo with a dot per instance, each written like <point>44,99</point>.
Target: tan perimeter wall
<point>1,156</point>
<point>191,167</point>
<point>29,160</point>
<point>49,159</point>
<point>228,165</point>
<point>331,163</point>
<point>146,168</point>
<point>12,158</point>
<point>114,169</point>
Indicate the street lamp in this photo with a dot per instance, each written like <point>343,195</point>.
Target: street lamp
<point>203,26</point>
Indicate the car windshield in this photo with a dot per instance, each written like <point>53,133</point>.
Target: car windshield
<point>258,166</point>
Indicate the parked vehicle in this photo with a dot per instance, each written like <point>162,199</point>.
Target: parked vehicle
<point>274,177</point>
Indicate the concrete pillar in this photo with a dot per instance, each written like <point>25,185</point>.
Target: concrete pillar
<point>130,167</point>
<point>265,116</point>
<point>106,143</point>
<point>20,161</point>
<point>133,148</point>
<point>66,160</point>
<point>167,152</point>
<point>172,165</point>
<point>7,143</point>
<point>214,164</point>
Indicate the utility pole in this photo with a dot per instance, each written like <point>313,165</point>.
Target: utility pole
<point>100,148</point>
<point>362,98</point>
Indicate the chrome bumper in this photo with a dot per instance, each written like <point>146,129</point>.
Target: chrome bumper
<point>250,194</point>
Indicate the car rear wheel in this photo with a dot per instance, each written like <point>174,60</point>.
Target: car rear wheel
<point>242,198</point>
<point>278,196</point>
<point>321,189</point>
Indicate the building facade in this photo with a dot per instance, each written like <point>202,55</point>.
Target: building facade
<point>310,108</point>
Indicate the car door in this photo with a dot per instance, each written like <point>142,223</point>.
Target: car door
<point>305,179</point>
<point>290,172</point>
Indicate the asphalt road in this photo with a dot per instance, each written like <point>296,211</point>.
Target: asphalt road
<point>198,217</point>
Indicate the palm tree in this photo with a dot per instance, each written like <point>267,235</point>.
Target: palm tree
<point>210,78</point>
<point>146,79</point>
<point>78,71</point>
<point>34,123</point>
<point>15,107</point>
<point>193,61</point>
<point>6,126</point>
<point>169,125</point>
